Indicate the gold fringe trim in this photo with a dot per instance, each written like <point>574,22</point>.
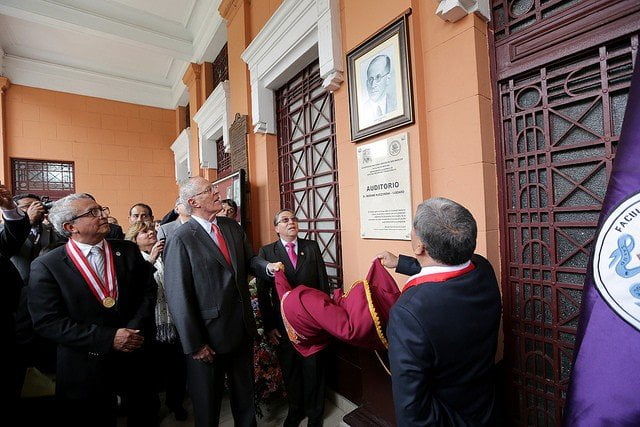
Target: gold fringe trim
<point>372,310</point>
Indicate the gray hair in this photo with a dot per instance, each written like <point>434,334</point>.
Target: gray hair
<point>447,230</point>
<point>62,211</point>
<point>187,190</point>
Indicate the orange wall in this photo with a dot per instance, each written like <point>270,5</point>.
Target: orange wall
<point>451,143</point>
<point>121,151</point>
<point>361,19</point>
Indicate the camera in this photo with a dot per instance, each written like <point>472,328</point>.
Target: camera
<point>47,203</point>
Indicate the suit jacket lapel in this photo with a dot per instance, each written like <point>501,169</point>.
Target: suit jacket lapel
<point>79,283</point>
<point>204,238</point>
<point>119,266</point>
<point>302,253</point>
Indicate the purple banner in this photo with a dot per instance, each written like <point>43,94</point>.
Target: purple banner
<point>605,382</point>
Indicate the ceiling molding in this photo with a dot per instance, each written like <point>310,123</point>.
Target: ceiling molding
<point>199,38</point>
<point>44,75</point>
<point>163,36</point>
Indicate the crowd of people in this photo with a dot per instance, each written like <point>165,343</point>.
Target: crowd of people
<point>119,317</point>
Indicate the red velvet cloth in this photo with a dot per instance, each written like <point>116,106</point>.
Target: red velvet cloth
<point>312,317</point>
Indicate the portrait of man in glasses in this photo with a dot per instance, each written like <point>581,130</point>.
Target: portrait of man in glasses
<point>380,102</point>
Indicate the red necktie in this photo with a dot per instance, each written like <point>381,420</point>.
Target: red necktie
<point>221,243</point>
<point>292,254</point>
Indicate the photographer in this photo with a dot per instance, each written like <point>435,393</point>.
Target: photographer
<point>41,235</point>
<point>33,350</point>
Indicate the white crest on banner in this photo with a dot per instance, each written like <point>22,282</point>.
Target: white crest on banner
<point>616,260</point>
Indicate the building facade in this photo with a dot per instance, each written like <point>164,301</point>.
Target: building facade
<point>516,107</point>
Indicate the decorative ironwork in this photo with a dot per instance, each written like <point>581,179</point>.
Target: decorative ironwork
<point>49,178</point>
<point>224,159</point>
<point>308,163</point>
<point>560,126</point>
<point>220,67</point>
<point>513,16</point>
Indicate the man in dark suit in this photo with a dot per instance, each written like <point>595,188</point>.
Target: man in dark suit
<point>12,236</point>
<point>206,264</point>
<point>40,236</point>
<point>304,377</point>
<point>443,331</point>
<point>95,299</point>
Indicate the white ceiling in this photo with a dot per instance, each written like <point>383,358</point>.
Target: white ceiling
<point>127,50</point>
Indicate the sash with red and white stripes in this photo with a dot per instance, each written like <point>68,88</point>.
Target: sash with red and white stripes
<point>437,277</point>
<point>106,293</point>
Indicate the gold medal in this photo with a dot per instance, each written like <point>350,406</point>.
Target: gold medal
<point>108,302</point>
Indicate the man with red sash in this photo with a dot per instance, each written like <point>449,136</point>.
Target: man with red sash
<point>443,331</point>
<point>95,299</point>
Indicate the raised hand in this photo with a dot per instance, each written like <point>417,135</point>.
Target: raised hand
<point>388,259</point>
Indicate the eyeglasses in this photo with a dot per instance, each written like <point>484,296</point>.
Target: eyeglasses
<point>288,219</point>
<point>377,78</point>
<point>94,212</point>
<point>209,189</point>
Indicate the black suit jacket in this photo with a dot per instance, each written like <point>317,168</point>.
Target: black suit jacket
<point>209,299</point>
<point>442,343</point>
<point>12,236</point>
<point>310,271</point>
<point>65,311</point>
<point>30,249</point>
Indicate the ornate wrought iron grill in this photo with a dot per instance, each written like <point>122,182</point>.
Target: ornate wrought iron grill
<point>50,178</point>
<point>560,125</point>
<point>308,163</point>
<point>513,16</point>
<point>220,67</point>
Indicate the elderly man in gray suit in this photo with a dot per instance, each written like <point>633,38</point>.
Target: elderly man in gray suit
<point>206,263</point>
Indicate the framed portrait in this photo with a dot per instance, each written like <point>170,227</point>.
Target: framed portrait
<point>380,94</point>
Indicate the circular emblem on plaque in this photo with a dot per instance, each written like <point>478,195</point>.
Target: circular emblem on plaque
<point>616,260</point>
<point>394,147</point>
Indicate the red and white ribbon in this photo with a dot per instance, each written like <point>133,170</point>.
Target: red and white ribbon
<point>100,289</point>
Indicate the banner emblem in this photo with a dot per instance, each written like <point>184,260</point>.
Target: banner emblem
<point>616,260</point>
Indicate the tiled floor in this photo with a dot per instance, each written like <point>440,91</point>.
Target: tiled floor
<point>273,415</point>
<point>41,386</point>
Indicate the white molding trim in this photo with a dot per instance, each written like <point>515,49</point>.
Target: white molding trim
<point>180,148</point>
<point>213,120</point>
<point>46,75</point>
<point>111,20</point>
<point>210,37</point>
<point>201,41</point>
<point>179,91</point>
<point>454,10</point>
<point>297,33</point>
